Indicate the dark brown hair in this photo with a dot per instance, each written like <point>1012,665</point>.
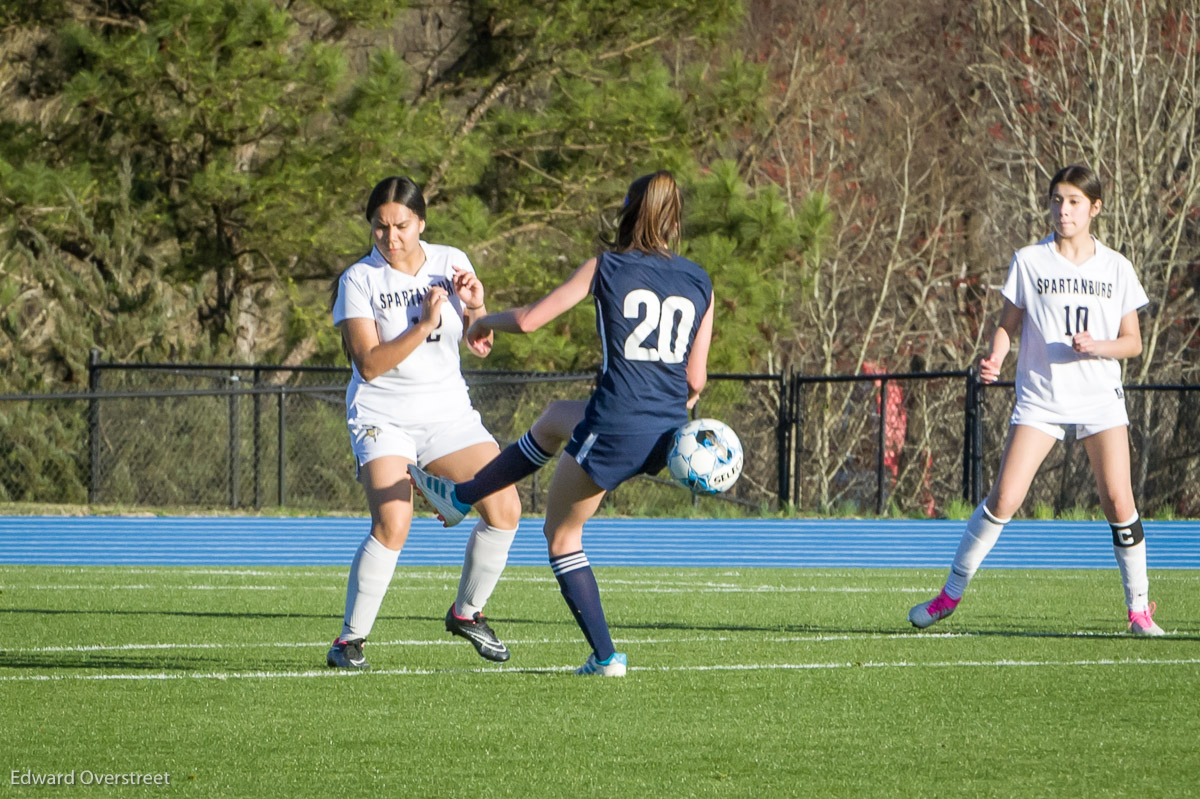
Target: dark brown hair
<point>1082,178</point>
<point>396,190</point>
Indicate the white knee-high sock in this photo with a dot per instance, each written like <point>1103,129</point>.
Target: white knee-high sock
<point>983,530</point>
<point>1129,547</point>
<point>370,574</point>
<point>487,553</point>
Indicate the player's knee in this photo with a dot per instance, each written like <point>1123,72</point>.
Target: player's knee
<point>390,532</point>
<point>554,426</point>
<point>1002,504</point>
<point>502,509</point>
<point>1119,508</point>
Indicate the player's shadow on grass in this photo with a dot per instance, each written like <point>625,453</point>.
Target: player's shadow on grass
<point>789,629</point>
<point>199,614</point>
<point>1082,635</point>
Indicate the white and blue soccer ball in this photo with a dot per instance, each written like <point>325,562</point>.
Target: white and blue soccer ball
<point>706,456</point>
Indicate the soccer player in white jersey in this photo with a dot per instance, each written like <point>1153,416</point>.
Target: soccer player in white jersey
<point>401,311</point>
<point>1074,303</point>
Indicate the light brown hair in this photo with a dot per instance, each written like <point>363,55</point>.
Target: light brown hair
<point>650,218</point>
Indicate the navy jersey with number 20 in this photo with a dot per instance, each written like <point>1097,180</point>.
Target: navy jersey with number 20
<point>648,309</point>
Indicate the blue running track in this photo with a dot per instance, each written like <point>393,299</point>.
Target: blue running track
<point>791,543</point>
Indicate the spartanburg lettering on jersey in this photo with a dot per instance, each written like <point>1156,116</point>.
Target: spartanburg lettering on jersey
<point>1075,285</point>
<point>410,297</point>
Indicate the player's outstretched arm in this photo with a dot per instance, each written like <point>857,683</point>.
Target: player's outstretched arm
<point>528,318</point>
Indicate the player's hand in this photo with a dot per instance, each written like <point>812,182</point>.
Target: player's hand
<point>431,308</point>
<point>468,287</point>
<point>479,337</point>
<point>1083,343</point>
<point>989,369</point>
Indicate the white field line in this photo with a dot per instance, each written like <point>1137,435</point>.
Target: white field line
<point>414,642</point>
<point>344,674</point>
<point>650,588</point>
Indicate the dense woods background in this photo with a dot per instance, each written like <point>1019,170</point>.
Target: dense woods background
<point>183,178</point>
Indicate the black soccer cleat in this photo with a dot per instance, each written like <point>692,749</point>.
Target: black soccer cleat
<point>477,631</point>
<point>347,655</point>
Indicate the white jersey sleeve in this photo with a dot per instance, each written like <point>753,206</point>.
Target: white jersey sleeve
<point>353,298</point>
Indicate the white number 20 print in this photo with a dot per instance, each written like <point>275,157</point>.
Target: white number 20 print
<point>672,318</point>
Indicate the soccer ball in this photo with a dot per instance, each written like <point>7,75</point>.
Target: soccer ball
<point>706,457</point>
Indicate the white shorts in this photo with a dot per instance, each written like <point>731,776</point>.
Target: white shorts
<point>1115,417</point>
<point>420,443</point>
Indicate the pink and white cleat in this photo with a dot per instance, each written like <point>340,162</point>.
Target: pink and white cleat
<point>1142,622</point>
<point>929,613</point>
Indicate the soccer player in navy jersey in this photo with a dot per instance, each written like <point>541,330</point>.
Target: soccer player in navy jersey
<point>654,313</point>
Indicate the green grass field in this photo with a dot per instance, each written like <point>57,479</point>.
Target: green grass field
<point>743,683</point>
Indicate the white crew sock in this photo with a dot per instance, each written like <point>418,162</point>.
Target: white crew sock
<point>370,574</point>
<point>487,552</point>
<point>1131,560</point>
<point>983,530</point>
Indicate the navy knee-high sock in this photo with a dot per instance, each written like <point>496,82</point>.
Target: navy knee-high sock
<point>515,462</point>
<point>579,588</point>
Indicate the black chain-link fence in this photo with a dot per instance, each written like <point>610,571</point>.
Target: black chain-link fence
<point>1164,437</point>
<point>251,437</point>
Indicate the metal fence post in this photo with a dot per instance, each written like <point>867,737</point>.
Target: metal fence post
<point>969,411</point>
<point>93,426</point>
<point>282,448</point>
<point>882,442</point>
<point>257,441</point>
<point>234,474</point>
<point>783,438</point>
<point>977,442</point>
<point>797,436</point>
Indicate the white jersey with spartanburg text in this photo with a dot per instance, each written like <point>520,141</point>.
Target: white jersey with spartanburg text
<point>427,385</point>
<point>1054,383</point>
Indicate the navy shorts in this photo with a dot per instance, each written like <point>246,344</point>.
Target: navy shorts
<point>612,458</point>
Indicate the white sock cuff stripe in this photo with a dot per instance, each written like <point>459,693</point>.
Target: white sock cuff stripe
<point>372,546</point>
<point>991,517</point>
<point>494,533</point>
<point>1132,521</point>
<point>531,450</point>
<point>569,563</point>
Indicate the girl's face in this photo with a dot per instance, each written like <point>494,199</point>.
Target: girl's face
<point>1071,211</point>
<point>397,231</point>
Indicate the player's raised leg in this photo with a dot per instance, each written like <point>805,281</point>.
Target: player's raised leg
<point>529,453</point>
